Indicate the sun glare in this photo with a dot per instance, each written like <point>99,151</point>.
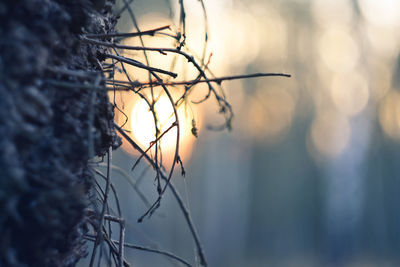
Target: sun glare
<point>143,126</point>
<point>381,13</point>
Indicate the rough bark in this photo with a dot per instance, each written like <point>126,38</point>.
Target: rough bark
<point>44,127</point>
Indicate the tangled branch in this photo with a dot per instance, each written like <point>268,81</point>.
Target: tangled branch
<point>115,51</point>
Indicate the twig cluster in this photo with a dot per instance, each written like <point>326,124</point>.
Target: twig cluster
<point>104,216</point>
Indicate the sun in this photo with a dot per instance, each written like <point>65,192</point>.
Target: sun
<point>140,125</point>
<point>143,124</point>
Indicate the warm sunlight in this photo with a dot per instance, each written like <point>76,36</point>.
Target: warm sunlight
<point>389,114</point>
<point>381,13</point>
<point>140,125</point>
<point>143,127</point>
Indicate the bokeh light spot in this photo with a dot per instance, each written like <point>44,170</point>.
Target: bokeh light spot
<point>338,49</point>
<point>381,13</point>
<point>389,115</point>
<point>330,134</point>
<point>328,12</point>
<point>270,114</point>
<point>350,93</point>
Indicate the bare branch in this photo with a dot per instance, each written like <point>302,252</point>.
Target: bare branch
<point>152,144</point>
<point>126,35</point>
<point>103,210</point>
<point>217,80</point>
<point>147,249</point>
<point>139,64</point>
<point>157,251</point>
<point>178,198</point>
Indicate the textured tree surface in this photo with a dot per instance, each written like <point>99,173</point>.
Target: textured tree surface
<point>48,124</point>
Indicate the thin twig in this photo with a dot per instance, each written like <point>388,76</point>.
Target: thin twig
<point>118,13</point>
<point>91,118</point>
<point>126,35</point>
<point>131,182</point>
<point>157,251</point>
<point>140,65</point>
<point>205,31</point>
<point>160,191</point>
<point>152,144</point>
<point>110,243</point>
<point>151,105</point>
<point>182,18</point>
<point>121,222</point>
<point>147,249</point>
<point>117,202</point>
<point>135,23</point>
<point>218,80</point>
<point>176,156</point>
<point>103,211</point>
<point>224,105</point>
<point>121,242</point>
<point>178,198</point>
<point>107,217</point>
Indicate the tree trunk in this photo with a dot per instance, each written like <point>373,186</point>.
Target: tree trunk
<point>51,124</point>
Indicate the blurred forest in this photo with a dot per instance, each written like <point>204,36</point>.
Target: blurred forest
<point>309,175</point>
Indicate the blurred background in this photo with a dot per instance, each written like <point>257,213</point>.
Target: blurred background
<point>310,173</point>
